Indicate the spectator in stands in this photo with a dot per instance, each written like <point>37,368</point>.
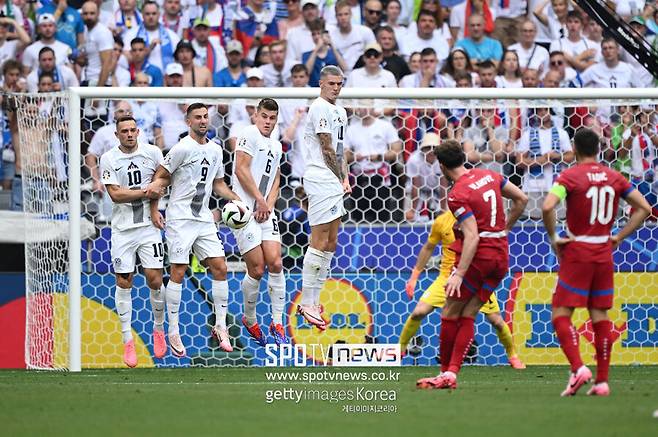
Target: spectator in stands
<point>425,191</point>
<point>120,75</point>
<point>461,12</point>
<point>63,75</point>
<point>126,18</point>
<point>487,74</point>
<point>99,45</point>
<point>277,73</point>
<point>161,42</point>
<point>373,12</point>
<point>441,15</point>
<point>172,114</point>
<point>509,72</point>
<point>639,144</point>
<point>139,63</point>
<point>173,17</point>
<point>567,76</point>
<point>530,78</point>
<point>11,73</point>
<point>70,28</point>
<point>233,75</point>
<point>393,9</point>
<point>240,112</point>
<point>299,38</point>
<point>643,78</point>
<point>458,62</point>
<point>9,49</point>
<point>425,36</point>
<point>292,118</point>
<point>391,60</point>
<point>329,12</point>
<point>372,75</point>
<point>193,75</point>
<point>349,40</point>
<point>147,115</point>
<point>510,15</point>
<point>611,72</point>
<point>579,52</point>
<point>485,144</point>
<point>541,152</point>
<point>209,52</point>
<point>552,79</point>
<point>324,53</point>
<point>255,15</point>
<point>217,16</point>
<point>10,10</point>
<point>294,18</point>
<point>552,16</point>
<point>262,56</point>
<point>479,47</point>
<point>46,29</point>
<point>414,62</point>
<point>531,55</point>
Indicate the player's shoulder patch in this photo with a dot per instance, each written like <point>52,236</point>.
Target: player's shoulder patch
<point>106,175</point>
<point>323,123</point>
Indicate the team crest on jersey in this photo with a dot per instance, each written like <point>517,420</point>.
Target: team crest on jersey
<point>132,166</point>
<point>106,175</point>
<point>333,209</point>
<point>250,236</point>
<point>167,160</point>
<point>323,123</point>
<point>117,262</point>
<point>242,143</point>
<point>205,162</point>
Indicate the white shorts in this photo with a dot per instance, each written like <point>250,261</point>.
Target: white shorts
<point>185,236</point>
<point>145,241</point>
<point>325,200</point>
<point>254,233</point>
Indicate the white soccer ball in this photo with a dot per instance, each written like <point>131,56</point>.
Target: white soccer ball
<point>236,214</point>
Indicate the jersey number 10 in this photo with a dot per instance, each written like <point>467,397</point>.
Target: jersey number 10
<point>602,202</point>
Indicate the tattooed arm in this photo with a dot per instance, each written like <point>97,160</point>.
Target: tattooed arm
<point>329,155</point>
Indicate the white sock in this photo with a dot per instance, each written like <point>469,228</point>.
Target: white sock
<point>277,289</point>
<point>310,272</point>
<point>220,299</point>
<point>172,297</point>
<point>124,303</point>
<point>323,275</point>
<point>250,288</point>
<point>158,308</point>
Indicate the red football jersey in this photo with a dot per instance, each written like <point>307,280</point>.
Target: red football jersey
<point>593,192</point>
<point>477,193</point>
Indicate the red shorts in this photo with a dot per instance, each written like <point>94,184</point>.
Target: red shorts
<point>581,285</point>
<point>482,278</point>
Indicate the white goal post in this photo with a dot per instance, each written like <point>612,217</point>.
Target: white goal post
<point>427,96</point>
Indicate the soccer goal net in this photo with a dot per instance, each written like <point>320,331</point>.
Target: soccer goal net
<point>398,191</point>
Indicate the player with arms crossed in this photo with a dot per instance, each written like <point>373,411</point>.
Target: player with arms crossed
<point>482,254</point>
<point>257,158</point>
<point>325,182</point>
<point>585,279</point>
<point>126,170</point>
<point>194,168</point>
<point>435,296</point>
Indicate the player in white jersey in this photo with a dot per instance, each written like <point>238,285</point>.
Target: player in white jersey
<point>126,170</point>
<point>256,181</point>
<point>326,182</point>
<point>194,169</point>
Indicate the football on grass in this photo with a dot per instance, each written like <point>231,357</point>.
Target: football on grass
<point>236,214</point>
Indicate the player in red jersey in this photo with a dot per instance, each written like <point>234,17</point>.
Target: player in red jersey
<point>482,253</point>
<point>585,279</point>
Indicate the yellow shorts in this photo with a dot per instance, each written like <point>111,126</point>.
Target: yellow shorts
<point>435,296</point>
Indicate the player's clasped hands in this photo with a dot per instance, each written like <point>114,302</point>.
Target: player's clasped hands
<point>262,211</point>
<point>153,191</point>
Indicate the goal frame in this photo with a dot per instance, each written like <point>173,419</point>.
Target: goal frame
<point>77,94</point>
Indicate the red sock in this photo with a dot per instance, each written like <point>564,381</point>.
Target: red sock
<point>603,345</point>
<point>462,343</point>
<point>568,338</point>
<point>447,336</point>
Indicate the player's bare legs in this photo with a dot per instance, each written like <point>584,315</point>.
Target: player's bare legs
<point>412,324</point>
<point>603,343</point>
<point>217,266</point>
<point>250,285</point>
<point>173,293</point>
<point>157,298</point>
<point>124,304</point>
<point>316,270</point>
<point>276,288</point>
<point>505,337</point>
<point>568,338</point>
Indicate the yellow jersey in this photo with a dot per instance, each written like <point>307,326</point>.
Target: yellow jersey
<point>442,232</point>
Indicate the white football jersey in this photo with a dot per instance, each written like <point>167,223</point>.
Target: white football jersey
<point>323,117</point>
<point>265,161</point>
<point>193,167</point>
<point>134,171</point>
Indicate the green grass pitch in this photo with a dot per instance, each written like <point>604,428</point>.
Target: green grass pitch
<point>490,401</point>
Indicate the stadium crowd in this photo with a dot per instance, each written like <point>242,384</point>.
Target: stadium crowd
<point>48,46</point>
